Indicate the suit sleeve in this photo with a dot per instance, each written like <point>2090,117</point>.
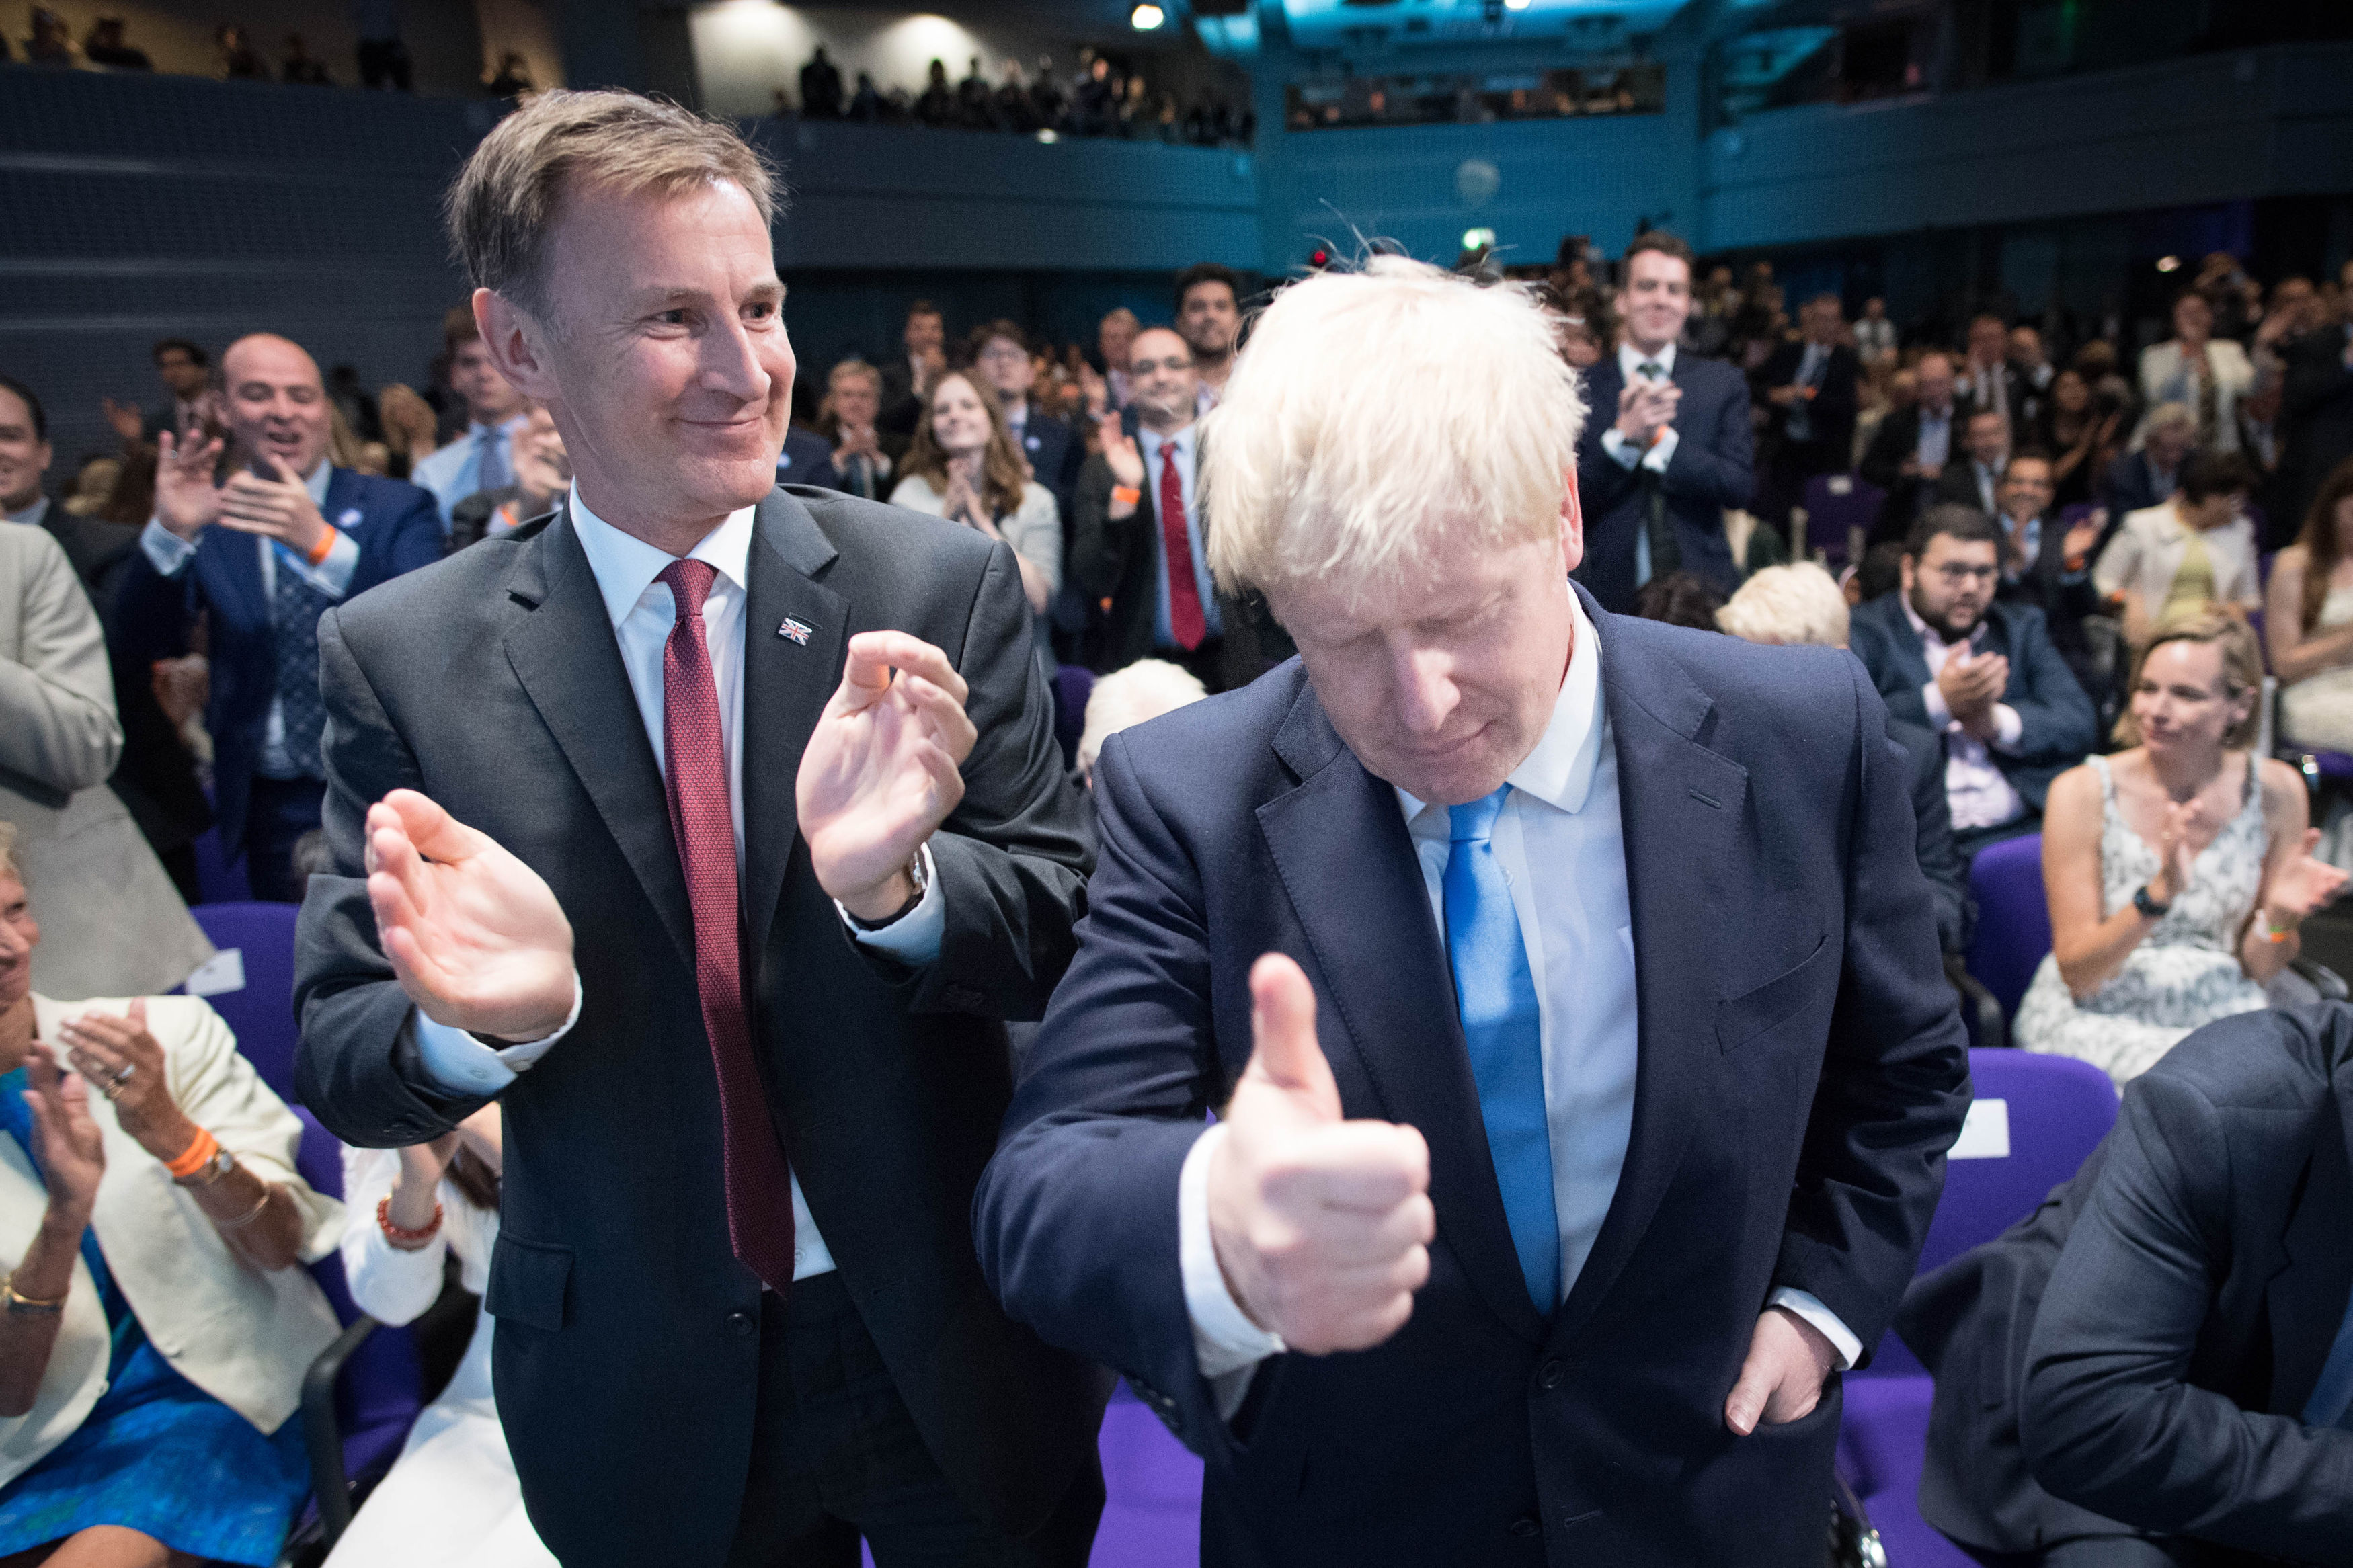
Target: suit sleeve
<point>1720,471</point>
<point>1895,1076</point>
<point>1940,858</point>
<point>1076,1220</point>
<point>2110,1419</point>
<point>2315,376</point>
<point>1013,857</point>
<point>2060,724</point>
<point>1099,544</point>
<point>1895,688</point>
<point>1883,460</point>
<point>357,1068</point>
<point>58,722</point>
<point>1603,482</point>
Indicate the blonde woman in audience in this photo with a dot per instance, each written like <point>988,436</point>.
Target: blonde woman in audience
<point>2177,871</point>
<point>2309,620</point>
<point>2187,553</point>
<point>451,1498</point>
<point>1125,698</point>
<point>158,1320</point>
<point>409,427</point>
<point>964,467</point>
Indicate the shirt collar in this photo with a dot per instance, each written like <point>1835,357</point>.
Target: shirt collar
<point>1631,359</point>
<point>1922,629</point>
<point>626,566</point>
<point>1559,772</point>
<point>1182,440</point>
<point>506,426</point>
<point>320,477</point>
<point>33,513</point>
<point>1935,416</point>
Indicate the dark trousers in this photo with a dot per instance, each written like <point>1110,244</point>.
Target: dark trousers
<point>1794,463</point>
<point>835,1455</point>
<point>280,813</point>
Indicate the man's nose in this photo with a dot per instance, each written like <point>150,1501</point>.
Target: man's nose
<point>1426,693</point>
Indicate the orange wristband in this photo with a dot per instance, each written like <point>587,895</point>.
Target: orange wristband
<point>195,1157</point>
<point>1126,495</point>
<point>326,543</point>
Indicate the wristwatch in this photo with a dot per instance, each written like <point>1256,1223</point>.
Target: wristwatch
<point>211,1171</point>
<point>915,875</point>
<point>2148,905</point>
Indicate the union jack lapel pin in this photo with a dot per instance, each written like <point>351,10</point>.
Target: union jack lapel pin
<point>795,632</point>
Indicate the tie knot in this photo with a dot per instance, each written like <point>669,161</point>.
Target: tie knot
<point>1474,822</point>
<point>1651,369</point>
<point>690,584</point>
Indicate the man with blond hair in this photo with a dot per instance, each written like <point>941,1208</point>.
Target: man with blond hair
<point>1563,983</point>
<point>722,878</point>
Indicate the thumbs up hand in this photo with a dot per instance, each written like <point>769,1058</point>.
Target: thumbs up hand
<point>1322,1225</point>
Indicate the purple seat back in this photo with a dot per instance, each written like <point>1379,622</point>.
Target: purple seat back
<point>1836,503</point>
<point>260,1013</point>
<point>219,879</point>
<point>377,1399</point>
<point>1073,684</point>
<point>2013,918</point>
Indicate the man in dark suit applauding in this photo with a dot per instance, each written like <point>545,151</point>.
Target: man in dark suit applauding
<point>266,552</point>
<point>1810,387</point>
<point>1667,444</point>
<point>2155,1370</point>
<point>1460,920</point>
<point>683,836</point>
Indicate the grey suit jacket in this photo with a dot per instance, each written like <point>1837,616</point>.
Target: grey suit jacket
<point>627,1354</point>
<point>112,923</point>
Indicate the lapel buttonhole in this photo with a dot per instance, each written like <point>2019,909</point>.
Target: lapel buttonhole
<point>1707,800</point>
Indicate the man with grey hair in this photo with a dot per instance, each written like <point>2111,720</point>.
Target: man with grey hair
<point>1564,984</point>
<point>723,880</point>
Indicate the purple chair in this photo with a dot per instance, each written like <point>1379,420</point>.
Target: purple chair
<point>260,1009</point>
<point>1836,504</point>
<point>2014,919</point>
<point>2035,1120</point>
<point>1073,684</point>
<point>363,1394</point>
<point>219,879</point>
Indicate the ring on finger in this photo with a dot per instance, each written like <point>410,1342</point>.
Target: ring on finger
<point>124,1077</point>
<point>110,1087</point>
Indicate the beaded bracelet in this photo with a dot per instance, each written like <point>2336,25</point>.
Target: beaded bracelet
<point>410,1237</point>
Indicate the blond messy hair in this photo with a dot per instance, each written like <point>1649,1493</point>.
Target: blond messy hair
<point>508,194</point>
<point>1379,414</point>
<point>1798,604</point>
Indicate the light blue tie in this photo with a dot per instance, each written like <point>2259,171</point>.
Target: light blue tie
<point>1495,991</point>
<point>493,473</point>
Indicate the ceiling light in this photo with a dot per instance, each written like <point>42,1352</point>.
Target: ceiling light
<point>1515,5</point>
<point>1144,18</point>
<point>2168,263</point>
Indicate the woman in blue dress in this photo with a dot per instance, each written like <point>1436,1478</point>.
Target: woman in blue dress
<point>157,1322</point>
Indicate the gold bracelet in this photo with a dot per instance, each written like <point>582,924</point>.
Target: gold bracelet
<point>28,1306</point>
<point>268,1192</point>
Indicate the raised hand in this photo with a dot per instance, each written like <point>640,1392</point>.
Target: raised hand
<point>185,498</point>
<point>2177,848</point>
<point>476,939</point>
<point>1781,1379</point>
<point>1634,421</point>
<point>67,1144</point>
<point>1322,1225</point>
<point>125,1063</point>
<point>129,423</point>
<point>279,506</point>
<point>2081,538</point>
<point>881,771</point>
<point>1120,451</point>
<point>2303,885</point>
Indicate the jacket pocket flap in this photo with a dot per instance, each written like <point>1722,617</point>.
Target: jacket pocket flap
<point>530,1284</point>
<point>1742,1018</point>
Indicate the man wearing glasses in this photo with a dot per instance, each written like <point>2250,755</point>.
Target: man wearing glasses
<point>1984,674</point>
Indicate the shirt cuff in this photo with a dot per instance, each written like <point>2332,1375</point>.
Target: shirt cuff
<point>1624,453</point>
<point>2006,727</point>
<point>1662,451</point>
<point>165,551</point>
<point>914,939</point>
<point>462,1065</point>
<point>1810,1307</point>
<point>332,574</point>
<point>1225,1342</point>
<point>1940,712</point>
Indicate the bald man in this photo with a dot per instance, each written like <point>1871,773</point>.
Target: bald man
<point>263,531</point>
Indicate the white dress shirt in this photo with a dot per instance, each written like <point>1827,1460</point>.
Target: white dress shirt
<point>643,611</point>
<point>168,552</point>
<point>1980,794</point>
<point>1577,920</point>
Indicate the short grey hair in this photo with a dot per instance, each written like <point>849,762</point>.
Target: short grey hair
<point>1127,697</point>
<point>511,191</point>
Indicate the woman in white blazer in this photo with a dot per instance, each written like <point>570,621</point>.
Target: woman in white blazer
<point>2181,556</point>
<point>157,1322</point>
<point>2207,375</point>
<point>451,1498</point>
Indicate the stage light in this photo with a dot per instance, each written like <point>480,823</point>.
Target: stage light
<point>1144,18</point>
<point>1515,5</point>
<point>2168,264</point>
<point>1478,239</point>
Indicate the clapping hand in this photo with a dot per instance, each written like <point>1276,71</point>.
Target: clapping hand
<point>1322,1225</point>
<point>277,506</point>
<point>1971,684</point>
<point>2082,537</point>
<point>67,1144</point>
<point>882,769</point>
<point>125,1063</point>
<point>185,497</point>
<point>2177,848</point>
<point>2302,886</point>
<point>475,937</point>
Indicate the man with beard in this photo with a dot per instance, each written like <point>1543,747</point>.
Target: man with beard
<point>1209,319</point>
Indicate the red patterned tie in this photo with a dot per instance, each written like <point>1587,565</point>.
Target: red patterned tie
<point>1185,618</point>
<point>759,1185</point>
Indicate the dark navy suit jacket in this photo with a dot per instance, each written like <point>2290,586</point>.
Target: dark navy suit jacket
<point>1714,467</point>
<point>1053,452</point>
<point>2137,1353</point>
<point>2059,723</point>
<point>397,528</point>
<point>1802,1071</point>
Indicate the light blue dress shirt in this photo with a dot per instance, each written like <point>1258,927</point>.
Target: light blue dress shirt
<point>1186,442</point>
<point>455,471</point>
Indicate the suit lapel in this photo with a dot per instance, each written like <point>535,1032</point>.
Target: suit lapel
<point>2305,1300</point>
<point>1903,641</point>
<point>786,682</point>
<point>1682,809</point>
<point>1340,846</point>
<point>564,653</point>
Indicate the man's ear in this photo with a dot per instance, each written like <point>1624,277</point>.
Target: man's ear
<point>517,344</point>
<point>1572,525</point>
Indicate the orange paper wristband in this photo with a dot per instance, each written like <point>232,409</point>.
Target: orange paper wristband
<point>326,543</point>
<point>195,1157</point>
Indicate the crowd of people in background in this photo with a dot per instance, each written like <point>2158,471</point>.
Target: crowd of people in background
<point>1103,97</point>
<point>381,61</point>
